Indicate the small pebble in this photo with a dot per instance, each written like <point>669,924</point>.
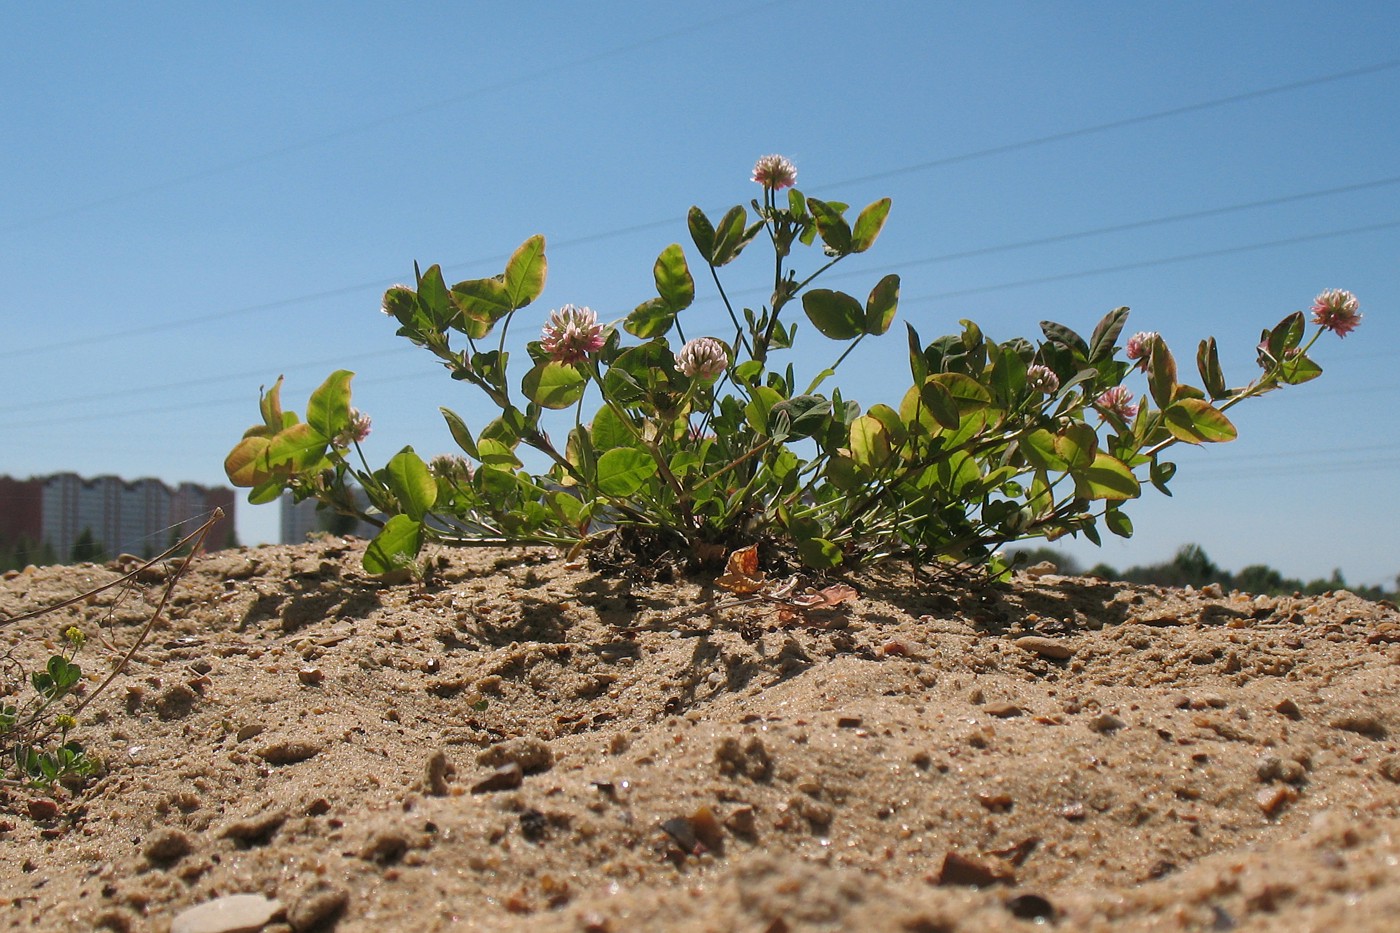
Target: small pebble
<point>1043,569</point>
<point>1272,799</point>
<point>236,913</point>
<point>1052,648</point>
<point>1105,723</point>
<point>506,777</point>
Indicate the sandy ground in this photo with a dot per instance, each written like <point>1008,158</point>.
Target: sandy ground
<point>525,744</point>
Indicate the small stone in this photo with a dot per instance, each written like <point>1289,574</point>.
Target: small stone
<point>1106,723</point>
<point>167,845</point>
<point>1052,648</point>
<point>1212,590</point>
<point>288,752</point>
<point>1043,569</point>
<point>1031,907</point>
<point>42,808</point>
<point>1272,799</point>
<point>506,777</point>
<point>1389,768</point>
<point>848,722</point>
<point>249,731</point>
<point>999,802</point>
<point>961,870</point>
<point>236,913</point>
<point>741,821</point>
<point>1003,710</point>
<point>314,908</point>
<point>311,676</point>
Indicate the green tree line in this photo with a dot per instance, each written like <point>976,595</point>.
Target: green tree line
<point>1191,566</point>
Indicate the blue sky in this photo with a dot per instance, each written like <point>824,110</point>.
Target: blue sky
<point>196,198</point>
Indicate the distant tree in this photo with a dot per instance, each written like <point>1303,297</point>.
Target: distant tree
<point>1263,579</point>
<point>87,549</point>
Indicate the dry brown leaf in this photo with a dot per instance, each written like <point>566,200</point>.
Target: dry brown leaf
<point>741,574</point>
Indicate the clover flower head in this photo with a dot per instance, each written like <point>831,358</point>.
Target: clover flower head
<point>450,466</point>
<point>1140,345</point>
<point>703,358</point>
<point>572,334</point>
<point>1116,401</point>
<point>392,292</point>
<point>1337,310</point>
<point>775,172</point>
<point>1042,379</point>
<point>356,431</point>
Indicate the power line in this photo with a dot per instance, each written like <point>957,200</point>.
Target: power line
<point>1149,263</point>
<point>922,166</point>
<point>391,119</point>
<point>1128,121</point>
<point>1084,273</point>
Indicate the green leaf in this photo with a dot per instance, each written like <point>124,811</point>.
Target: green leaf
<point>967,393</point>
<point>1161,472</point>
<point>939,402</point>
<point>270,406</point>
<point>554,385</point>
<point>1041,451</point>
<point>807,415</point>
<point>1008,376</point>
<point>835,314</point>
<point>918,363</point>
<point>652,318</point>
<point>1105,478</point>
<point>1118,523</point>
<point>624,470</point>
<point>702,233</point>
<point>460,434</point>
<point>1161,373</point>
<point>1299,369</point>
<point>1196,421</point>
<point>834,230</point>
<point>1208,364</point>
<point>296,448</point>
<point>818,553</point>
<point>868,225</point>
<point>1107,331</point>
<point>609,431</point>
<point>871,447</point>
<point>412,484</point>
<point>395,547</point>
<point>1285,336</point>
<point>673,280</point>
<point>433,297</point>
<point>730,236</point>
<point>1077,445</point>
<point>328,410</point>
<point>483,302</point>
<point>881,305</point>
<point>246,464</point>
<point>525,273</point>
<point>1062,335</point>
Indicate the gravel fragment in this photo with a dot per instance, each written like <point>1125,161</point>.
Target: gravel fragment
<point>236,913</point>
<point>1053,648</point>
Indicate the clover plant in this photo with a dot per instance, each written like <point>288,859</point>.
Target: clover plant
<point>691,433</point>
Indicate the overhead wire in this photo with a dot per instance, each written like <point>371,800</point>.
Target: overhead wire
<point>916,167</point>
